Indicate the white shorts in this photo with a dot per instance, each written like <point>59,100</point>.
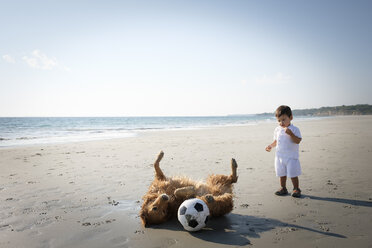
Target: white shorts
<point>289,167</point>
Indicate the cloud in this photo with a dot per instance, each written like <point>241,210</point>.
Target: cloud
<point>278,78</point>
<point>9,59</point>
<point>39,60</point>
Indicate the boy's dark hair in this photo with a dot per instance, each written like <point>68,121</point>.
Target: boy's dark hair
<point>283,110</point>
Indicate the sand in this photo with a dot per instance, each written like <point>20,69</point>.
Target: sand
<point>88,194</point>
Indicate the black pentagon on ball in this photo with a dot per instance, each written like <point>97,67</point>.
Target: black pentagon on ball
<point>206,220</point>
<point>183,210</point>
<point>193,223</point>
<point>198,207</point>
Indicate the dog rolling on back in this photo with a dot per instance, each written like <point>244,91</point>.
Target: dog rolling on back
<point>165,194</point>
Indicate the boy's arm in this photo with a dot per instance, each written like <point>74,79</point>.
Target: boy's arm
<point>294,138</point>
<point>269,147</point>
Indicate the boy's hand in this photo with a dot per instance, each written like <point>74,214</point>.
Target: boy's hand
<point>268,148</point>
<point>288,131</point>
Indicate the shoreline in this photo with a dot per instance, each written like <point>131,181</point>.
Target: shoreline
<point>64,195</point>
<point>130,133</point>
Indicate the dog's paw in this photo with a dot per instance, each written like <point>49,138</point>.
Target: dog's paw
<point>160,156</point>
<point>234,165</point>
<point>164,197</point>
<point>209,198</point>
<point>177,192</point>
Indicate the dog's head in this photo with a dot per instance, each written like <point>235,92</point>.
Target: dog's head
<point>155,209</point>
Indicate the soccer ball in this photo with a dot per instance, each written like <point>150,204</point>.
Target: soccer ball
<point>193,214</point>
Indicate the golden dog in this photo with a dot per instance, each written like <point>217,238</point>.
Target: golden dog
<point>165,195</point>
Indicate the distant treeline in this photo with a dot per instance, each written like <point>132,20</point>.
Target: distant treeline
<point>359,109</point>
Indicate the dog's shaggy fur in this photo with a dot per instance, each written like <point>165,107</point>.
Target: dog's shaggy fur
<point>165,195</point>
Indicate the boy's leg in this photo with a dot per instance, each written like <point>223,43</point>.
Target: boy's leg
<point>296,190</point>
<point>295,182</point>
<point>283,181</point>
<point>281,172</point>
<point>294,170</point>
<point>283,190</point>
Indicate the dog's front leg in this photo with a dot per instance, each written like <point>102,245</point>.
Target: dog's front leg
<point>185,192</point>
<point>158,172</point>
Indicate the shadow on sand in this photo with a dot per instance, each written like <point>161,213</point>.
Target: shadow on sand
<point>340,200</point>
<point>236,229</point>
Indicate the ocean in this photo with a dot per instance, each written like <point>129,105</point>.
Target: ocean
<point>16,131</point>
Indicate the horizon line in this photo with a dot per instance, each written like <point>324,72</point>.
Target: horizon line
<point>147,116</point>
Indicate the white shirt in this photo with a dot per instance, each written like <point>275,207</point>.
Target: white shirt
<point>285,147</point>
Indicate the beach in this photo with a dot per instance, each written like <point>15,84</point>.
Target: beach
<point>88,194</point>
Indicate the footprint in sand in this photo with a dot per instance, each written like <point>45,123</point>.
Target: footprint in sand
<point>245,205</point>
<point>119,240</point>
<point>97,223</point>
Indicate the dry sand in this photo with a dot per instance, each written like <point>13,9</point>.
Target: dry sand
<point>88,194</point>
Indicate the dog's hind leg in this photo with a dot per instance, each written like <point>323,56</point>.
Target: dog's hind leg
<point>234,166</point>
<point>219,205</point>
<point>224,180</point>
<point>158,172</point>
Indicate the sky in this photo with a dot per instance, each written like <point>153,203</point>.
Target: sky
<point>182,58</point>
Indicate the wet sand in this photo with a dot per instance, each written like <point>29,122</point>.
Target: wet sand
<point>88,194</point>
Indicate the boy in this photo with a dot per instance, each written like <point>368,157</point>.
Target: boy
<point>286,140</point>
